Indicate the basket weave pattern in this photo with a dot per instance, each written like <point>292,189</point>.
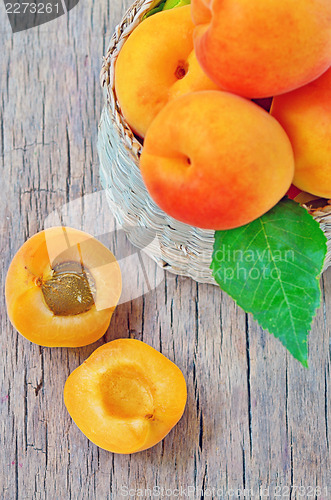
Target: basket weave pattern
<point>178,247</point>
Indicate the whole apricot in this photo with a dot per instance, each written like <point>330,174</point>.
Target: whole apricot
<point>305,114</point>
<point>156,64</point>
<point>215,160</point>
<point>126,396</point>
<point>62,288</point>
<point>261,48</point>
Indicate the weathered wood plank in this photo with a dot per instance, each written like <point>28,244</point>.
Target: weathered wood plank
<point>254,417</point>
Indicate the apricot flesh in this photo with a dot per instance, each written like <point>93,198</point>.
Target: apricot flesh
<point>62,288</point>
<point>126,396</point>
<point>156,64</point>
<point>305,114</point>
<point>258,48</point>
<point>215,160</point>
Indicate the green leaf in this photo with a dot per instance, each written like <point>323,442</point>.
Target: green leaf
<point>157,8</point>
<point>166,5</point>
<point>271,268</point>
<point>171,4</point>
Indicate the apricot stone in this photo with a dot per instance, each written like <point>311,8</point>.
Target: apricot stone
<point>156,64</point>
<point>305,114</point>
<point>62,288</point>
<point>259,48</point>
<point>126,396</point>
<point>215,160</point>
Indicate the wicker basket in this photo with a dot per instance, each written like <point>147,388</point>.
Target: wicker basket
<point>178,247</point>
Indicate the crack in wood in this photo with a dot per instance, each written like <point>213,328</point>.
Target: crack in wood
<point>292,469</point>
<point>200,431</point>
<point>39,386</point>
<point>249,402</point>
<point>326,408</point>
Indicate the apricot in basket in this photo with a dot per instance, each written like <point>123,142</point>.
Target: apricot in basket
<point>214,160</point>
<point>305,115</point>
<point>126,396</point>
<point>62,288</point>
<point>257,48</point>
<point>160,60</point>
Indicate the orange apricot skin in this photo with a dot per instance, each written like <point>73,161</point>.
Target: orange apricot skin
<point>26,306</point>
<point>257,48</point>
<point>305,114</point>
<point>157,63</point>
<point>84,395</point>
<point>214,160</point>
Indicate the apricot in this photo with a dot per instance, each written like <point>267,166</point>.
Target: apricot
<point>215,160</point>
<point>305,114</point>
<point>258,48</point>
<point>126,396</point>
<point>156,64</point>
<point>62,288</point>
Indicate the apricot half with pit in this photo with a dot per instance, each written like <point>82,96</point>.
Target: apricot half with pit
<point>126,396</point>
<point>62,288</point>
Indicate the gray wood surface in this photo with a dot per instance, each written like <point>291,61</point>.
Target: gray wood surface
<point>254,417</point>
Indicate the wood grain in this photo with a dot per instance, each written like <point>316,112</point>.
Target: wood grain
<point>254,418</point>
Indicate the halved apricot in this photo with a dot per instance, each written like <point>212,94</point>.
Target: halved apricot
<point>126,396</point>
<point>62,288</point>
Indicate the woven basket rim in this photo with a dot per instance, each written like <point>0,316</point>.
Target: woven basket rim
<point>130,20</point>
<point>133,16</point>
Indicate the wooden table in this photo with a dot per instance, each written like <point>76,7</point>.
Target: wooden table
<point>254,417</point>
